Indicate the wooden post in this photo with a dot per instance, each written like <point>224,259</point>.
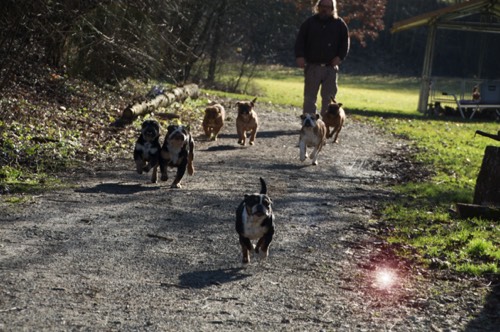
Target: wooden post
<point>423,100</point>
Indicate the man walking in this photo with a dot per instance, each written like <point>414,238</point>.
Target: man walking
<point>321,45</point>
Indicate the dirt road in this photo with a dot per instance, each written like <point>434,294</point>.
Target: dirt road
<point>117,253</point>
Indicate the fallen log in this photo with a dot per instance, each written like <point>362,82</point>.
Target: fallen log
<point>465,211</point>
<point>165,99</point>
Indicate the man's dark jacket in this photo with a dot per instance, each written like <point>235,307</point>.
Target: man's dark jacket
<point>319,41</point>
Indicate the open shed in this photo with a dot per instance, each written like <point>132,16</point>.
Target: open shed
<point>482,16</point>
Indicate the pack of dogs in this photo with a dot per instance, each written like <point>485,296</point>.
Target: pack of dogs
<point>254,215</point>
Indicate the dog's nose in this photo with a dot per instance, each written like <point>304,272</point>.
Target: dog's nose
<point>260,210</point>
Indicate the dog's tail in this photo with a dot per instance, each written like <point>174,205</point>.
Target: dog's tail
<point>263,186</point>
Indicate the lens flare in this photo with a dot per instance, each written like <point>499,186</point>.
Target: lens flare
<point>385,278</point>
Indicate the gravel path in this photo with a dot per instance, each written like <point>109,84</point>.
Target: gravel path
<point>117,253</point>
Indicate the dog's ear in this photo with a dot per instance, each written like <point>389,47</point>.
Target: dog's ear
<point>157,125</point>
<point>253,101</point>
<point>333,100</point>
<point>340,104</point>
<point>171,128</point>
<point>317,116</point>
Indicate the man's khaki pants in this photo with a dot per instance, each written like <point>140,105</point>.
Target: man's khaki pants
<point>316,75</point>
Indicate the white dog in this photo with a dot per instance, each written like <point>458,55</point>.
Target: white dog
<point>312,134</point>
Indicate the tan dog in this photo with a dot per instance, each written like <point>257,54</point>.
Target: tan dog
<point>312,134</point>
<point>213,120</point>
<point>246,121</point>
<point>334,117</point>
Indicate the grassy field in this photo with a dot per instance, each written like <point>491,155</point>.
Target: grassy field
<point>446,145</point>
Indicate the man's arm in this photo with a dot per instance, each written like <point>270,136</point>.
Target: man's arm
<point>300,45</point>
<point>344,41</point>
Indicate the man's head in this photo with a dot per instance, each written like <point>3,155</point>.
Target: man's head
<point>326,8</point>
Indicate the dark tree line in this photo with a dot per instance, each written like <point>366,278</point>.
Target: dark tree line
<point>191,40</point>
<point>178,41</point>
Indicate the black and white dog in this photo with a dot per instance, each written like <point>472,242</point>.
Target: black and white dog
<point>147,149</point>
<point>255,221</point>
<point>177,151</point>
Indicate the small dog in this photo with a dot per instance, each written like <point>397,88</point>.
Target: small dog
<point>147,149</point>
<point>334,117</point>
<point>213,120</point>
<point>177,151</point>
<point>246,121</point>
<point>255,221</point>
<point>312,134</point>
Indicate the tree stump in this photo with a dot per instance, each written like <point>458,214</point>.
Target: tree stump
<point>487,191</point>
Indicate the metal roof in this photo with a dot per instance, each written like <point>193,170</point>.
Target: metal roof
<point>455,17</point>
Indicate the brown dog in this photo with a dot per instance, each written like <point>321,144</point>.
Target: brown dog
<point>312,134</point>
<point>334,117</point>
<point>246,121</point>
<point>213,120</point>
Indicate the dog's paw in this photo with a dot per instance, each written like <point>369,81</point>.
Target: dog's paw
<point>164,177</point>
<point>176,185</point>
<point>263,254</point>
<point>146,169</point>
<point>315,163</point>
<point>251,142</point>
<point>241,143</point>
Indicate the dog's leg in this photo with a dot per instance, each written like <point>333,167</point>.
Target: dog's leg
<point>190,157</point>
<point>207,131</point>
<point>163,169</point>
<point>216,132</point>
<point>314,154</point>
<point>303,153</point>
<point>263,244</point>
<point>329,133</point>
<point>181,169</point>
<point>139,163</point>
<point>253,133</point>
<point>246,248</point>
<point>339,128</point>
<point>241,135</point>
<point>154,176</point>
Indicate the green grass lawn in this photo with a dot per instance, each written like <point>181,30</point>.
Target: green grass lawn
<point>446,145</point>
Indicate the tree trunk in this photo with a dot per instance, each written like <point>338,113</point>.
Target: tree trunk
<point>180,94</point>
<point>487,191</point>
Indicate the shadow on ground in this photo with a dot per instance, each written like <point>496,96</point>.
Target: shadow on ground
<point>202,279</point>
